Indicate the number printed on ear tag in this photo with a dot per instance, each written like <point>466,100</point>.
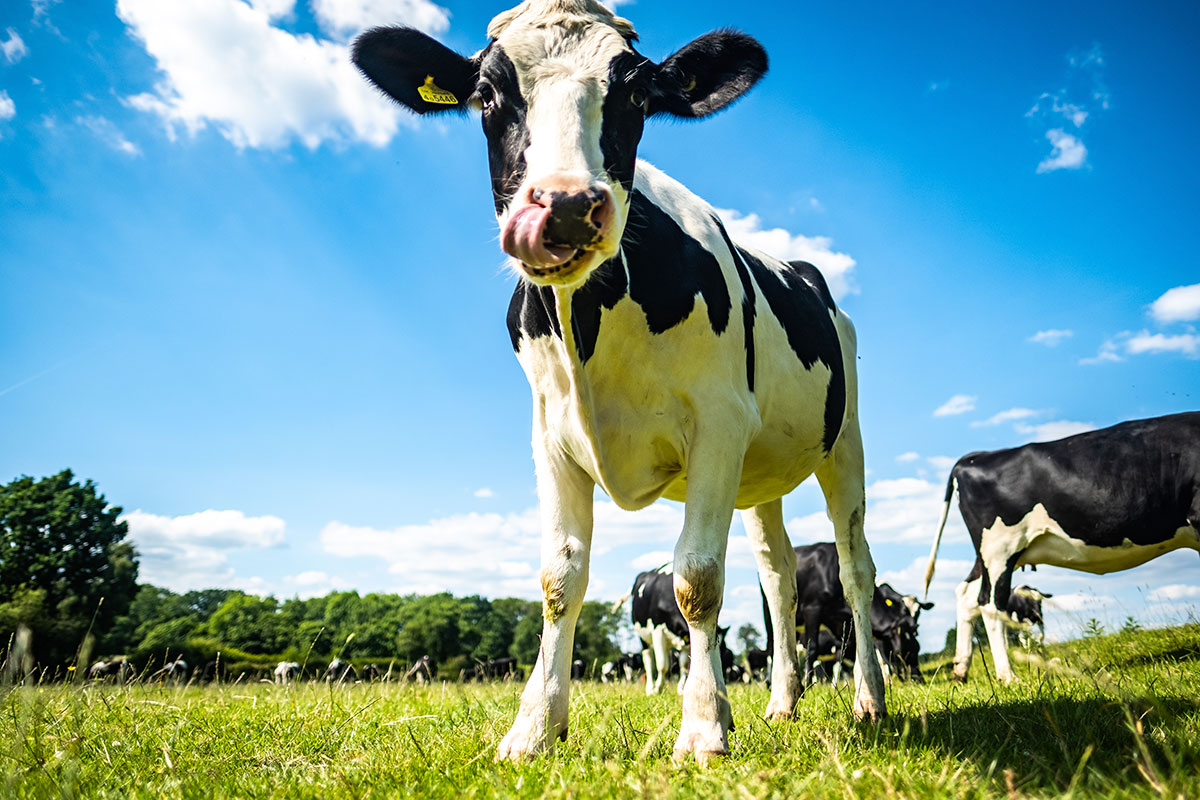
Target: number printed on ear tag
<point>432,93</point>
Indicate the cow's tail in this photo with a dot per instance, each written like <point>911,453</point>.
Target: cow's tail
<point>951,485</point>
<point>617,605</point>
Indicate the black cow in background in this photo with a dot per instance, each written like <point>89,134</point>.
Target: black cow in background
<point>623,669</point>
<point>421,671</point>
<point>370,673</point>
<point>659,623</point>
<point>821,603</point>
<point>1025,608</point>
<point>341,672</point>
<point>118,670</point>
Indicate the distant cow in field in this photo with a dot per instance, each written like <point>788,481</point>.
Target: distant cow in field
<point>118,670</point>
<point>214,671</point>
<point>665,360</point>
<point>421,671</point>
<point>1025,609</point>
<point>286,672</point>
<point>340,671</point>
<point>623,669</point>
<point>177,670</point>
<point>370,673</point>
<point>757,662</point>
<point>659,623</point>
<point>1099,502</point>
<point>821,604</point>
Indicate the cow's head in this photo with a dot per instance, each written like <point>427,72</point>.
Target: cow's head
<point>895,629</point>
<point>564,96</point>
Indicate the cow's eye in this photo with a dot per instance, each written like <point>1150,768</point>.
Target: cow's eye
<point>487,96</point>
<point>638,98</point>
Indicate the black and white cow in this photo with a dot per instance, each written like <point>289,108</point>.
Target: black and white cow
<point>340,671</point>
<point>659,623</point>
<point>1025,609</point>
<point>286,672</point>
<point>118,670</point>
<point>1099,502</point>
<point>623,669</point>
<point>371,673</point>
<point>421,671</point>
<point>821,605</point>
<point>757,664</point>
<point>664,360</point>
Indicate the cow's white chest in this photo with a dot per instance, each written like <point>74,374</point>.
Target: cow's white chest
<point>1045,542</point>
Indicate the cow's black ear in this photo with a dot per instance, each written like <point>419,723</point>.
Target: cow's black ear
<point>708,74</point>
<point>415,70</point>
<point>926,606</point>
<point>1045,595</point>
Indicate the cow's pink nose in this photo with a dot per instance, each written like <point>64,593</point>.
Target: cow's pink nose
<point>554,221</point>
<point>577,218</point>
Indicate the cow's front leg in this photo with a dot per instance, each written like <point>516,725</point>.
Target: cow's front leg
<point>699,590</point>
<point>777,572</point>
<point>565,496</point>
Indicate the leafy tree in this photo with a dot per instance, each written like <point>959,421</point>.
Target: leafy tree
<point>63,561</point>
<point>249,623</point>
<point>747,637</point>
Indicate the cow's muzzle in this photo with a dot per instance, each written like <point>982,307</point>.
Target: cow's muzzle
<point>553,227</point>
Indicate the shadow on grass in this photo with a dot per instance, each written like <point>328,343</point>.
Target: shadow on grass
<point>1050,743</point>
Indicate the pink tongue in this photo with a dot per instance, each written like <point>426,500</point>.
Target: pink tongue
<point>524,238</point>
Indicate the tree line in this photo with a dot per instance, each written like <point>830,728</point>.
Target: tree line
<point>68,574</point>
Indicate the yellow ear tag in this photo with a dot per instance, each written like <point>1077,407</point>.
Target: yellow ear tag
<point>889,602</point>
<point>432,93</point>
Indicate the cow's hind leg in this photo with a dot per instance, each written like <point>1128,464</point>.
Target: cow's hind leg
<point>777,573</point>
<point>841,478</point>
<point>967,609</point>
<point>565,495</point>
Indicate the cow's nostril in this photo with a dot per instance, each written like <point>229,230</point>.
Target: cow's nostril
<point>536,195</point>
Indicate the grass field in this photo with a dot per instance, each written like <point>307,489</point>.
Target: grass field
<point>1115,716</point>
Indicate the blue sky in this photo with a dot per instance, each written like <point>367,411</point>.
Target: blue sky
<point>265,311</point>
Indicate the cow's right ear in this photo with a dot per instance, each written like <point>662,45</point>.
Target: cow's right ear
<point>415,70</point>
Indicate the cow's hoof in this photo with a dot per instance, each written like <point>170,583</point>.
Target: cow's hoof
<point>1006,678</point>
<point>867,710</point>
<point>523,741</point>
<point>704,748</point>
<point>960,677</point>
<point>780,710</point>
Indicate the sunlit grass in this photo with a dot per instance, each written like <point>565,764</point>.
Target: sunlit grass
<point>1115,716</point>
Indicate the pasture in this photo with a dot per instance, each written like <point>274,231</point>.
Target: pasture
<point>1114,716</point>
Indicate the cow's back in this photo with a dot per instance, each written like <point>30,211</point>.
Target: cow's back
<point>1136,482</point>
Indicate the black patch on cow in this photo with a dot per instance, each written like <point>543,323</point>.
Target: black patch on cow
<point>504,110</point>
<point>624,114</point>
<point>803,307</point>
<point>654,603</point>
<point>531,312</point>
<point>399,60</point>
<point>668,268</point>
<point>748,301</point>
<point>603,290</point>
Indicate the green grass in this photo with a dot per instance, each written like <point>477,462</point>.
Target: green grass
<point>1115,716</point>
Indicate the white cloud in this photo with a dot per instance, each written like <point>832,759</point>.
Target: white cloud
<point>224,64</point>
<point>275,9</point>
<point>958,404</point>
<point>14,48</point>
<point>8,109</point>
<point>345,18</point>
<point>1052,337</point>
<point>1068,152</point>
<point>1174,591</point>
<point>191,551</point>
<point>1187,344</point>
<point>904,458</point>
<point>1181,304</point>
<point>942,463</point>
<point>109,133</point>
<point>652,560</point>
<point>484,493</point>
<point>1002,417</point>
<point>1134,344</point>
<point>1058,429</point>
<point>780,243</point>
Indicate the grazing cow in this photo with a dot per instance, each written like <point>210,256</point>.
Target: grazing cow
<point>370,673</point>
<point>118,670</point>
<point>177,670</point>
<point>757,663</point>
<point>504,669</point>
<point>1099,502</point>
<point>214,671</point>
<point>422,671</point>
<point>1025,609</point>
<point>668,362</point>
<point>578,670</point>
<point>821,604</point>
<point>341,672</point>
<point>286,671</point>
<point>659,623</point>
<point>623,669</point>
